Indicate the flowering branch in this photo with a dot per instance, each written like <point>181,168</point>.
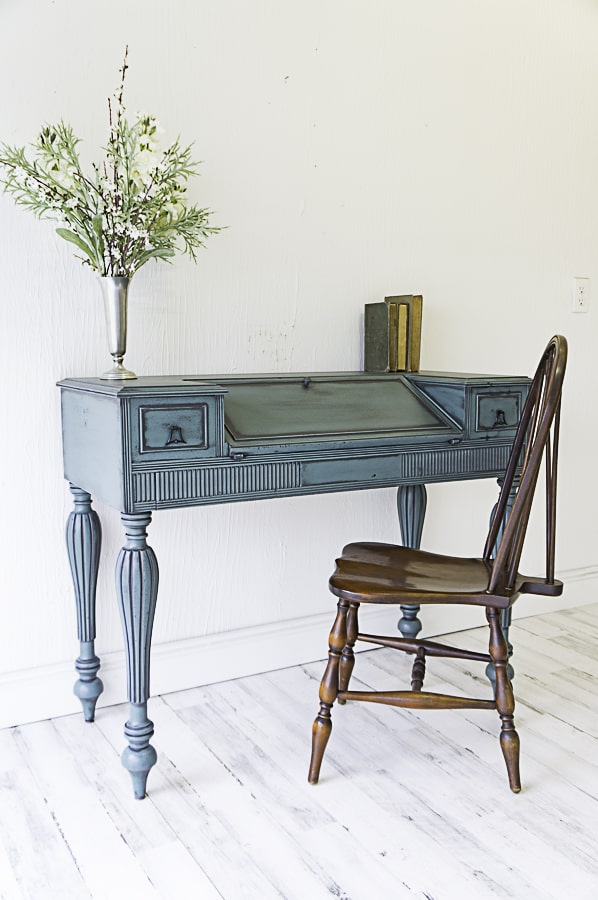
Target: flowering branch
<point>133,207</point>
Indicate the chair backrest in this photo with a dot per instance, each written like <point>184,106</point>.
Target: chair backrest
<point>537,436</point>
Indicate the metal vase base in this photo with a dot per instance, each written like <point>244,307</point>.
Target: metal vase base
<point>117,372</point>
<point>115,290</point>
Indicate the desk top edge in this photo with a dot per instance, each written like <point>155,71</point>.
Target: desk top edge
<point>218,383</point>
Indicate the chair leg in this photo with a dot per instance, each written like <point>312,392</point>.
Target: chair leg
<point>348,657</point>
<point>418,671</point>
<point>505,701</point>
<point>329,688</point>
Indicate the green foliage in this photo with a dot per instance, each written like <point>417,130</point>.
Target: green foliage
<point>131,209</point>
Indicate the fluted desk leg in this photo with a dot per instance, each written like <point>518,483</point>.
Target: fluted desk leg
<point>137,589</point>
<point>83,541</point>
<point>411,505</point>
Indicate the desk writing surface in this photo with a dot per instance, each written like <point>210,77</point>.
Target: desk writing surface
<point>320,407</point>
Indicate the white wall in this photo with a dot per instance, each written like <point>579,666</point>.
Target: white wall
<point>355,149</point>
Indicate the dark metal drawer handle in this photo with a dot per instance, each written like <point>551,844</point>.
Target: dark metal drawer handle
<point>500,420</point>
<point>175,435</point>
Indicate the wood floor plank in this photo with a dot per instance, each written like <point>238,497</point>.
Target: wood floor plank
<point>456,731</point>
<point>284,795</point>
<point>9,887</point>
<point>205,797</point>
<point>144,833</point>
<point>40,857</point>
<point>411,805</point>
<point>76,805</point>
<point>536,708</point>
<point>370,811</point>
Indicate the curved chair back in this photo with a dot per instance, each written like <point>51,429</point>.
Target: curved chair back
<point>537,436</point>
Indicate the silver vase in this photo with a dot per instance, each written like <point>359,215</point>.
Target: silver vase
<point>115,290</point>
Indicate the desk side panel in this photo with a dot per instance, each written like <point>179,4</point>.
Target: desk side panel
<point>92,444</point>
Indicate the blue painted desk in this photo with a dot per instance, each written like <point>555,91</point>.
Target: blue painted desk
<point>159,443</point>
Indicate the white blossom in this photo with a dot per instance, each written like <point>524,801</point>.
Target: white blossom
<point>131,208</point>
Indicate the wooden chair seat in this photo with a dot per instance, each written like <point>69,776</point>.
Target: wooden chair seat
<point>379,573</point>
<point>390,574</point>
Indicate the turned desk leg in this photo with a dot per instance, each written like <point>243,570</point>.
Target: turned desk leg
<point>83,541</point>
<point>137,590</point>
<point>411,505</point>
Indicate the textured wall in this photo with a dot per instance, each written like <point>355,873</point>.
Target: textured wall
<point>355,149</point>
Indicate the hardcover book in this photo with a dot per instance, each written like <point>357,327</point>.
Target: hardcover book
<point>392,334</point>
<point>412,332</point>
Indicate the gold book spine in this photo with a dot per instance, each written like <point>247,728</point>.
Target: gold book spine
<point>402,335</point>
<point>415,329</point>
<point>393,338</point>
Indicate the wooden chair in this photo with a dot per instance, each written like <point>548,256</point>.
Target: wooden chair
<point>385,573</point>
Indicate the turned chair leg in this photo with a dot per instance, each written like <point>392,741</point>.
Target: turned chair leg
<point>418,671</point>
<point>329,688</point>
<point>505,701</point>
<point>348,657</point>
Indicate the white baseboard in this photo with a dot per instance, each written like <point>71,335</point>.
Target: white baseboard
<point>33,694</point>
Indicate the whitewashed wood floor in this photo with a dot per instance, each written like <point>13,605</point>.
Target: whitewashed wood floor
<point>412,805</point>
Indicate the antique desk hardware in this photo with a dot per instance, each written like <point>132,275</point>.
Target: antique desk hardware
<point>160,443</point>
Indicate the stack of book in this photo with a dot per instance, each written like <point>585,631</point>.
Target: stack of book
<point>392,334</point>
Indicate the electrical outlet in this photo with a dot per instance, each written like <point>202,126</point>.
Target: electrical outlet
<point>581,295</point>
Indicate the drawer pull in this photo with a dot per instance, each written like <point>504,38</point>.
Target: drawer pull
<point>500,419</point>
<point>175,435</point>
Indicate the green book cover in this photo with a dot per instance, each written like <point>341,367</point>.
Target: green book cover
<point>380,338</point>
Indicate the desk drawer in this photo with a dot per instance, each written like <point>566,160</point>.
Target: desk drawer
<point>163,430</point>
<point>495,413</point>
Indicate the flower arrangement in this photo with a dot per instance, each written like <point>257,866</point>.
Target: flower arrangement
<point>131,209</point>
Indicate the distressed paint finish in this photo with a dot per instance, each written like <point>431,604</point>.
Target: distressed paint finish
<point>158,443</point>
<point>83,540</point>
<point>137,591</point>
